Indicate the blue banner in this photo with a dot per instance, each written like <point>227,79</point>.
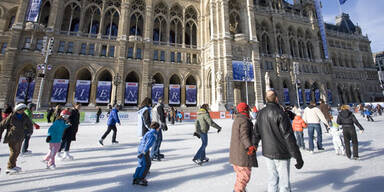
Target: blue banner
<point>22,88</point>
<point>157,92</point>
<point>342,1</point>
<point>317,96</point>
<point>103,94</point>
<point>286,96</point>
<point>33,10</point>
<point>59,91</point>
<point>321,27</point>
<point>82,91</point>
<point>174,94</point>
<point>239,73</point>
<point>307,95</point>
<point>330,100</point>
<point>131,92</point>
<point>300,96</point>
<point>191,95</point>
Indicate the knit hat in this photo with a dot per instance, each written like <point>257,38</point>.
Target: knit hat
<point>242,107</point>
<point>154,125</point>
<point>65,113</point>
<point>20,106</point>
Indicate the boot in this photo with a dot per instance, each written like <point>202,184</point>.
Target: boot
<point>101,142</point>
<point>67,156</point>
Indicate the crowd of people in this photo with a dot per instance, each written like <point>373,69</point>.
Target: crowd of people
<point>280,130</point>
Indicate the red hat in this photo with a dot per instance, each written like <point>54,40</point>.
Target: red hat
<point>242,107</point>
<point>65,113</point>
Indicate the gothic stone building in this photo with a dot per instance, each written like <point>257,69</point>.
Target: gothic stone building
<point>185,42</point>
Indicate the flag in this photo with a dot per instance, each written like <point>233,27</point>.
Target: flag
<point>342,1</point>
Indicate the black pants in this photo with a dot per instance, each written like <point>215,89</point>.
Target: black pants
<point>97,118</point>
<point>65,143</point>
<point>350,134</point>
<point>369,118</point>
<point>26,143</point>
<point>110,128</point>
<point>49,118</point>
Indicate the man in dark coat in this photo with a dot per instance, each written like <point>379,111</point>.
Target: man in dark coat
<point>70,132</point>
<point>242,149</point>
<point>98,113</point>
<point>324,108</point>
<point>274,129</point>
<point>49,114</point>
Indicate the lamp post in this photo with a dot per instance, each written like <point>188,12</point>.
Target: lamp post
<point>116,82</point>
<point>295,73</point>
<point>247,61</point>
<point>29,75</point>
<point>46,51</point>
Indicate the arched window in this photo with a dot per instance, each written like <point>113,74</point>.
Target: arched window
<point>160,29</point>
<point>92,20</point>
<point>112,21</point>
<point>44,13</point>
<point>280,45</point>
<point>71,19</point>
<point>191,27</point>
<point>175,34</point>
<point>137,22</point>
<point>265,44</point>
<point>310,50</point>
<point>301,49</point>
<point>293,47</point>
<point>234,22</point>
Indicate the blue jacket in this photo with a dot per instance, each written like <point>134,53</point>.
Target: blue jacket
<point>147,141</point>
<point>56,130</point>
<point>113,118</point>
<point>367,112</point>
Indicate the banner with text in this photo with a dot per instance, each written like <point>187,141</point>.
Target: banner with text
<point>59,91</point>
<point>301,96</point>
<point>191,95</point>
<point>307,95</point>
<point>317,96</point>
<point>82,91</point>
<point>174,94</point>
<point>103,94</point>
<point>330,100</point>
<point>131,92</point>
<point>157,92</point>
<point>33,10</point>
<point>320,21</point>
<point>239,74</point>
<point>286,96</point>
<point>22,89</point>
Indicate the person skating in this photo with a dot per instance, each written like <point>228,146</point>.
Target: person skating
<point>54,137</point>
<point>312,116</point>
<point>144,117</point>
<point>202,124</point>
<point>144,161</point>
<point>298,124</point>
<point>325,109</point>
<point>337,140</point>
<point>56,113</point>
<point>16,124</point>
<point>158,115</point>
<point>274,129</point>
<point>24,150</point>
<point>70,132</point>
<point>242,151</point>
<point>379,109</point>
<point>49,114</point>
<point>113,118</point>
<point>172,115</point>
<point>347,120</point>
<point>368,113</point>
<point>98,113</point>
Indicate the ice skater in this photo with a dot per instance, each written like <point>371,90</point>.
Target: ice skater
<point>113,118</point>
<point>337,140</point>
<point>55,135</point>
<point>70,132</point>
<point>368,113</point>
<point>158,115</point>
<point>143,155</point>
<point>298,125</point>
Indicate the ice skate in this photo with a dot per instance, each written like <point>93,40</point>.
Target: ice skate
<point>27,152</point>
<point>12,171</point>
<point>53,166</point>
<point>101,142</point>
<point>142,182</point>
<point>67,156</point>
<point>205,160</point>
<point>197,161</point>
<point>115,142</point>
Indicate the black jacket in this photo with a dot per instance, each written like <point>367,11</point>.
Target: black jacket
<point>146,120</point>
<point>274,129</point>
<point>346,119</point>
<point>74,119</point>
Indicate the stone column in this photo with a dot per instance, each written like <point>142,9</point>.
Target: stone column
<point>21,14</point>
<point>182,94</point>
<point>102,20</point>
<point>55,15</point>
<point>92,97</point>
<point>71,91</point>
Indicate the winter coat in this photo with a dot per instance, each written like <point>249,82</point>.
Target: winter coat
<point>158,115</point>
<point>324,108</point>
<point>274,129</point>
<point>49,112</point>
<point>74,120</point>
<point>347,120</point>
<point>367,112</point>
<point>241,139</point>
<point>313,115</point>
<point>147,141</point>
<point>56,114</point>
<point>113,117</point>
<point>16,128</point>
<point>144,120</point>
<point>56,130</point>
<point>204,121</point>
<point>298,124</point>
<point>98,113</point>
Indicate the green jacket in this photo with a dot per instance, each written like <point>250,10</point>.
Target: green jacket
<point>29,113</point>
<point>204,121</point>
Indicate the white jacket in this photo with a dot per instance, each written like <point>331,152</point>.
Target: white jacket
<point>314,115</point>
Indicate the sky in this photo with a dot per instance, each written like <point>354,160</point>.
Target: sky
<point>368,14</point>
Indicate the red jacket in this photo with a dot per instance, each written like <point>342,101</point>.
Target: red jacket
<point>298,124</point>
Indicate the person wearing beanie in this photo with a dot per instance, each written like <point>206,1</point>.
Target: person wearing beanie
<point>297,125</point>
<point>242,150</point>
<point>202,124</point>
<point>16,124</point>
<point>28,111</point>
<point>144,161</point>
<point>70,132</point>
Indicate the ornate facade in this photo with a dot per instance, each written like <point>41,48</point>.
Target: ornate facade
<point>185,42</point>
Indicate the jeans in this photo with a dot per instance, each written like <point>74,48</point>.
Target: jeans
<point>143,167</point>
<point>278,178</point>
<point>155,152</point>
<point>110,128</point>
<point>300,138</point>
<point>201,152</point>
<point>26,143</point>
<point>311,130</point>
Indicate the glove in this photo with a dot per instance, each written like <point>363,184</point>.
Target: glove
<point>196,134</point>
<point>218,130</point>
<point>299,163</point>
<point>140,155</point>
<point>251,150</point>
<point>36,126</point>
<point>48,139</point>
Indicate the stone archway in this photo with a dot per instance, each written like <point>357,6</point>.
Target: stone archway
<point>83,86</point>
<point>190,96</point>
<point>131,89</point>
<point>104,88</point>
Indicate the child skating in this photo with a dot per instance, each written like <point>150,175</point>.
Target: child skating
<point>297,125</point>
<point>55,134</point>
<point>337,140</point>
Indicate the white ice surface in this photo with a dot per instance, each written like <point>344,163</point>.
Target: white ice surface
<point>110,168</point>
